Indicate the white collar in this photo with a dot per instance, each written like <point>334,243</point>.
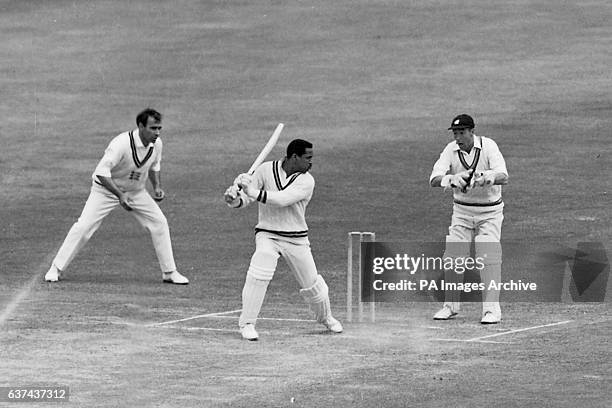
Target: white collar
<point>138,140</point>
<point>477,144</point>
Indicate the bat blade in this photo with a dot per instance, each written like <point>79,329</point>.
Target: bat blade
<point>267,148</point>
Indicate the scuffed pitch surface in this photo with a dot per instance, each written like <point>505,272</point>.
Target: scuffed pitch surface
<point>373,85</point>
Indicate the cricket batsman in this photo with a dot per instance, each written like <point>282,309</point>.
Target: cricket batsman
<point>474,169</point>
<point>283,189</point>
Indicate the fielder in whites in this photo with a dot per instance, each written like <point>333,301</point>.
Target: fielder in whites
<point>474,168</point>
<point>120,179</point>
<point>282,189</point>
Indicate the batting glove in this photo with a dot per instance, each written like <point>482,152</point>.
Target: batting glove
<point>250,191</point>
<point>231,193</point>
<point>241,176</point>
<point>232,197</point>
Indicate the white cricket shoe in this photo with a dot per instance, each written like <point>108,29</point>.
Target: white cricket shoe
<point>446,313</point>
<point>53,274</point>
<point>490,318</point>
<point>249,333</point>
<point>175,278</point>
<point>333,325</point>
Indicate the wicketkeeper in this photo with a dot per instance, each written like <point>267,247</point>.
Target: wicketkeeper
<point>474,168</point>
<point>283,189</point>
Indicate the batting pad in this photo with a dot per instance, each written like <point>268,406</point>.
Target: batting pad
<point>263,265</point>
<point>253,294</point>
<point>491,252</point>
<point>317,297</point>
<point>452,298</point>
<point>456,248</point>
<point>488,249</point>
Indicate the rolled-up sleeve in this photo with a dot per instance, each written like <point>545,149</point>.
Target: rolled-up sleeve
<point>496,159</point>
<point>112,156</point>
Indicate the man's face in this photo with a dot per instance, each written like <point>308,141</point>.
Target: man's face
<point>303,163</point>
<point>151,131</point>
<point>464,138</point>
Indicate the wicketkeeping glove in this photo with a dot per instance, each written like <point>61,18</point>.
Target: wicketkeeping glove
<point>486,178</point>
<point>459,180</point>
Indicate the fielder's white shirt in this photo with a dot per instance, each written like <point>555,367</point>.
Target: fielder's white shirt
<point>453,160</point>
<point>282,204</point>
<point>128,161</point>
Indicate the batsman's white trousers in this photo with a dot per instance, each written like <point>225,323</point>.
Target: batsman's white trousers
<point>99,204</point>
<point>295,251</point>
<point>298,256</point>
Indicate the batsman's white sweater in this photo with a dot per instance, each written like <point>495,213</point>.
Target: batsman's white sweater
<point>282,200</point>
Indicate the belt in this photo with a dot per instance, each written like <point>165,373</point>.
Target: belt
<point>287,234</point>
<point>479,204</point>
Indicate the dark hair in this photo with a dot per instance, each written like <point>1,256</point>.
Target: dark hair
<point>298,147</point>
<point>143,116</point>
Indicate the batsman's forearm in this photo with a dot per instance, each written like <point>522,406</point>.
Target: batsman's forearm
<point>110,185</point>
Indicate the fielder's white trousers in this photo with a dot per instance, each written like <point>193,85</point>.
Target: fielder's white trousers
<point>99,204</point>
<point>467,222</point>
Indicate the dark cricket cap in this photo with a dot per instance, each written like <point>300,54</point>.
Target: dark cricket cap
<point>462,121</point>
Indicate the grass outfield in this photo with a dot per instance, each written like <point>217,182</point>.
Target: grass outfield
<point>373,85</point>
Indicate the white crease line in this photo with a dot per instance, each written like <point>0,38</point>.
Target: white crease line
<point>119,322</point>
<point>274,333</point>
<point>481,339</point>
<point>124,323</point>
<point>211,329</point>
<point>194,317</point>
<point>519,330</point>
<point>286,333</point>
<point>268,318</point>
<point>288,320</point>
<point>475,341</point>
